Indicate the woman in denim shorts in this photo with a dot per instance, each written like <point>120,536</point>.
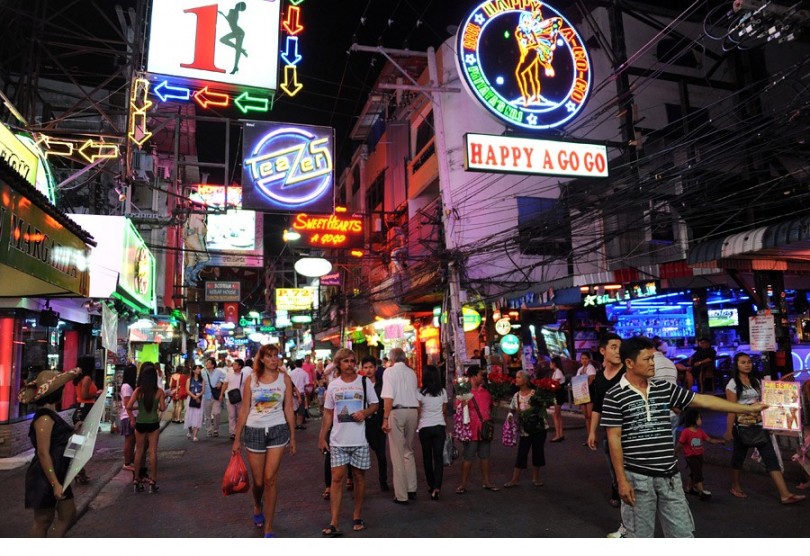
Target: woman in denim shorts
<point>267,421</point>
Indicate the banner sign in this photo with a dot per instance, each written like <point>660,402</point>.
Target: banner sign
<point>784,409</point>
<point>332,279</point>
<point>520,155</point>
<point>35,244</point>
<point>137,276</point>
<point>223,291</point>
<point>638,290</point>
<point>580,390</point>
<point>524,63</point>
<point>294,299</point>
<point>331,231</point>
<point>232,43</point>
<point>288,167</point>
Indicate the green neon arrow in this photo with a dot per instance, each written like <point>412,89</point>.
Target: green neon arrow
<point>247,103</point>
<point>296,2</point>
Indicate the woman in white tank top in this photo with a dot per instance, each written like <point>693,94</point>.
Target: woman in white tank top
<point>267,425</point>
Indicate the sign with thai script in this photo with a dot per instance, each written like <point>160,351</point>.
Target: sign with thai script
<point>633,291</point>
<point>294,299</point>
<point>288,168</point>
<point>784,409</point>
<point>233,43</point>
<point>520,155</point>
<point>762,333</point>
<point>524,62</point>
<point>223,291</point>
<point>332,231</point>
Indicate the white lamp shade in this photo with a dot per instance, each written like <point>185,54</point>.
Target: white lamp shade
<point>313,267</point>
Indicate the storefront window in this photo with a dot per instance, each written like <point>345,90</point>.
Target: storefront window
<point>39,351</point>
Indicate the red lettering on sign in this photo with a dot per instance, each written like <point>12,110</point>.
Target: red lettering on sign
<point>205,39</point>
<point>475,154</point>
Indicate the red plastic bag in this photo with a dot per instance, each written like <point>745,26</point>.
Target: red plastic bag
<point>236,478</point>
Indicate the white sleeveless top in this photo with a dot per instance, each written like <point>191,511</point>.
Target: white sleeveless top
<point>267,403</point>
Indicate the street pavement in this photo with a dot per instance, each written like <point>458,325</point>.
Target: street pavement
<point>573,503</point>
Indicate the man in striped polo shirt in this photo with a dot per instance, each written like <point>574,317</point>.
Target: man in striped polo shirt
<point>636,415</point>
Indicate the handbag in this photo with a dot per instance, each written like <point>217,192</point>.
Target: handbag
<point>752,436</point>
<point>194,403</point>
<point>235,394</point>
<point>509,435</point>
<point>450,452</point>
<point>487,432</point>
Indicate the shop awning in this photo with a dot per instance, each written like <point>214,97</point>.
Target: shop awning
<point>43,253</point>
<point>787,241</point>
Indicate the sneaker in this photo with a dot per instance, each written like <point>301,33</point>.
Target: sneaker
<point>619,534</point>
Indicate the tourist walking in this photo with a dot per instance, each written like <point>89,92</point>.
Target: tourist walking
<point>266,424</point>
<point>234,381</point>
<point>561,396</point>
<point>346,408</point>
<point>400,418</point>
<point>587,369</point>
<point>45,489</point>
<point>213,377</point>
<point>151,403</point>
<point>374,432</point>
<point>480,409</point>
<point>432,427</point>
<point>746,430</point>
<point>127,418</point>
<point>178,385</point>
<point>194,412</point>
<point>532,434</point>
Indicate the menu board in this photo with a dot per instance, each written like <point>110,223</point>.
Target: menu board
<point>762,333</point>
<point>784,411</point>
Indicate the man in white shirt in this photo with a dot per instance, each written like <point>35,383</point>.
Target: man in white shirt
<point>300,379</point>
<point>400,417</point>
<point>235,379</point>
<point>666,370</point>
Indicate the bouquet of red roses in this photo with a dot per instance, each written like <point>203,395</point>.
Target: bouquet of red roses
<point>500,385</point>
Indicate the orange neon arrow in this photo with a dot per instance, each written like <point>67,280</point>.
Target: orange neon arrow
<point>291,24</point>
<point>291,78</point>
<point>206,98</point>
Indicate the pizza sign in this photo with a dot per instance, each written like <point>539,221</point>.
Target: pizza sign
<point>524,62</point>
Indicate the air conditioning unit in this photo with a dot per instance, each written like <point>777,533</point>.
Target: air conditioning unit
<point>143,166</point>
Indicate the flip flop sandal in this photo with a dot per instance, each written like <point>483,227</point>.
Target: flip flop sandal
<point>326,494</point>
<point>492,488</point>
<point>510,484</point>
<point>538,483</point>
<point>793,498</point>
<point>738,493</point>
<point>461,490</point>
<point>258,520</point>
<point>331,531</point>
<point>358,525</point>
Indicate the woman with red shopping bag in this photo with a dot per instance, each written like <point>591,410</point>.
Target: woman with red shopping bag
<point>267,422</point>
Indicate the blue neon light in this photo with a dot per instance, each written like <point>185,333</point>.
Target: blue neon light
<point>165,92</point>
<point>290,55</point>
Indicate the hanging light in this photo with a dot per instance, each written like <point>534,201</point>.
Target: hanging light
<point>291,235</point>
<point>313,267</point>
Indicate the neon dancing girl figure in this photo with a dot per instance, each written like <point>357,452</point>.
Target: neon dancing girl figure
<point>536,38</point>
<point>236,37</point>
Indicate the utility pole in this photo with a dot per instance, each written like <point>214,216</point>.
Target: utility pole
<point>433,93</point>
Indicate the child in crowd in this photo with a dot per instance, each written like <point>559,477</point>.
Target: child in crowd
<point>691,440</point>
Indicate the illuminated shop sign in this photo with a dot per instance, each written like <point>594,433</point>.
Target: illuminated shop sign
<point>333,231</point>
<point>510,344</point>
<point>17,155</point>
<point>616,294</point>
<point>294,299</point>
<point>332,279</point>
<point>137,276</point>
<point>470,319</point>
<point>288,167</point>
<point>232,42</point>
<point>223,291</point>
<point>293,27</point>
<point>524,62</point>
<point>518,155</point>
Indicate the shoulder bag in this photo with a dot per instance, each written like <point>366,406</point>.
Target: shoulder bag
<point>487,432</point>
<point>235,394</point>
<point>215,392</point>
<point>752,436</point>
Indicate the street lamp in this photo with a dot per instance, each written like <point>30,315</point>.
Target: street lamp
<point>313,267</point>
<point>291,235</point>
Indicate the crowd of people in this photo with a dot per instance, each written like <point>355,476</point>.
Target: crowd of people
<point>364,406</point>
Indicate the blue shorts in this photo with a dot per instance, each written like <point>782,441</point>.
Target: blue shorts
<point>260,440</point>
<point>358,457</point>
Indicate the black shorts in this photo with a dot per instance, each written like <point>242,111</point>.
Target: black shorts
<point>145,428</point>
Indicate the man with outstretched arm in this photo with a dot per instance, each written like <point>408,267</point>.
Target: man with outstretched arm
<point>635,415</point>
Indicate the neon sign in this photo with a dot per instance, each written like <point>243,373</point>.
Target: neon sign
<point>330,230</point>
<point>292,26</point>
<point>633,291</point>
<point>288,167</point>
<point>139,105</point>
<point>233,43</point>
<point>519,155</point>
<point>524,62</point>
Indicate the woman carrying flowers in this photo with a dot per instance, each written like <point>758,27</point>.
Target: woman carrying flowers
<point>529,408</point>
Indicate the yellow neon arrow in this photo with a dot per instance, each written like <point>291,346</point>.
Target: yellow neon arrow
<point>98,150</point>
<point>140,95</point>
<point>56,148</point>
<point>137,121</point>
<point>291,77</point>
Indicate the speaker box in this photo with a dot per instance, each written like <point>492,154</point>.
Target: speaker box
<point>49,318</point>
